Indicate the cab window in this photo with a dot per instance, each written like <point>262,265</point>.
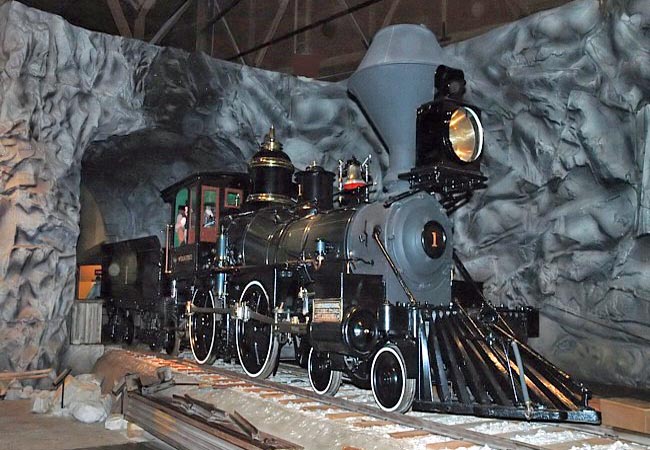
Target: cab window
<point>193,215</point>
<point>181,224</point>
<point>233,198</point>
<point>209,213</point>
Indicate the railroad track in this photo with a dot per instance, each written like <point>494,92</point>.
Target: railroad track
<point>355,408</point>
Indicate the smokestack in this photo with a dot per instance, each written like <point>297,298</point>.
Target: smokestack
<point>394,78</point>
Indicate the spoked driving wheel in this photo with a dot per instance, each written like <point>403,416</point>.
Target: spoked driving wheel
<point>203,328</point>
<point>323,380</point>
<point>257,347</point>
<point>393,391</point>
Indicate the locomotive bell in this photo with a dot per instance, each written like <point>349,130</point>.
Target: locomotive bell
<point>271,173</point>
<point>354,178</point>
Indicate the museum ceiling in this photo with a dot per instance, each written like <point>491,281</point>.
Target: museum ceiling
<point>322,39</point>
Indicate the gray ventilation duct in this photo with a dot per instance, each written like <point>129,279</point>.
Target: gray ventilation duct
<point>393,79</point>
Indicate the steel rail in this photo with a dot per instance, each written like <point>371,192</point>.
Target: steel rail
<point>456,431</point>
<point>400,419</point>
<point>190,432</point>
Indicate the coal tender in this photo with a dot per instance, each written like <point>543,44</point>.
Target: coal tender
<point>372,290</point>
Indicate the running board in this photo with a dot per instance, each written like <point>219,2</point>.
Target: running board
<point>475,365</point>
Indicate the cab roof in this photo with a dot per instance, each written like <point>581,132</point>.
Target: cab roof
<point>230,179</point>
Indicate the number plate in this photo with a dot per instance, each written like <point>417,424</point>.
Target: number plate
<point>327,310</point>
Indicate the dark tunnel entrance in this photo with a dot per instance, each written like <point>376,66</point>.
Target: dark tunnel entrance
<point>122,177</point>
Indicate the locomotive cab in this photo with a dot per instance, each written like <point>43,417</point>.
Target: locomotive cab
<point>198,202</point>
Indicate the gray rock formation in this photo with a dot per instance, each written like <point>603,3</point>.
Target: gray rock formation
<point>60,89</point>
<point>140,118</point>
<point>563,225</point>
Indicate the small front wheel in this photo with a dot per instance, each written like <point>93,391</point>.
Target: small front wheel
<point>323,380</point>
<point>393,391</point>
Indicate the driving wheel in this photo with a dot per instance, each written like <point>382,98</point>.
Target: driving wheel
<point>257,346</point>
<point>203,328</point>
<point>323,380</point>
<point>393,391</point>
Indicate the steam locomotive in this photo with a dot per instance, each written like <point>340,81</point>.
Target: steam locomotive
<point>372,290</point>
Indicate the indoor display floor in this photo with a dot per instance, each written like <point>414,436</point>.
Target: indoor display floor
<point>20,429</point>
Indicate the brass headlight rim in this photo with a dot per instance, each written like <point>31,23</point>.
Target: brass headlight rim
<point>477,125</point>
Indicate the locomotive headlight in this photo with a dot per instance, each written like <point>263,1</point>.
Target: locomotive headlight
<point>449,131</point>
<point>465,134</point>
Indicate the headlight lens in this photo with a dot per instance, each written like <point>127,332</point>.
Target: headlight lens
<point>466,134</point>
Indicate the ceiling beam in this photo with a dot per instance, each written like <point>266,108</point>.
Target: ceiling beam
<point>139,26</point>
<point>222,16</point>
<point>119,18</point>
<point>170,23</point>
<point>389,15</point>
<point>355,24</point>
<point>203,8</point>
<point>279,14</point>
<point>308,27</point>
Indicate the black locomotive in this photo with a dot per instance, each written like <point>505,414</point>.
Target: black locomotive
<point>370,290</point>
<point>145,285</point>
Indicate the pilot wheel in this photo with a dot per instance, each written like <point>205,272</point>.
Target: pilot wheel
<point>323,380</point>
<point>393,391</point>
<point>203,328</point>
<point>257,346</point>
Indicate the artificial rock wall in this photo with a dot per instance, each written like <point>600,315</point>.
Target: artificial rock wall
<point>562,225</point>
<point>137,118</point>
<point>60,89</point>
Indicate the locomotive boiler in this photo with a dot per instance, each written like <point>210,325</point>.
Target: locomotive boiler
<point>373,290</point>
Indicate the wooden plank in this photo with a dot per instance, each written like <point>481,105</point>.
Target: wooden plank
<point>295,400</point>
<point>273,394</point>
<point>228,385</point>
<point>343,415</point>
<point>626,413</point>
<point>316,407</point>
<point>258,390</point>
<point>409,434</point>
<point>449,445</point>
<point>30,374</point>
<point>371,423</point>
